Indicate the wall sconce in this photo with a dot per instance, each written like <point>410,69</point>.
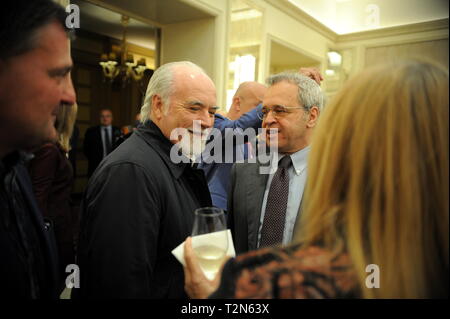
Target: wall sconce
<point>334,58</point>
<point>334,64</point>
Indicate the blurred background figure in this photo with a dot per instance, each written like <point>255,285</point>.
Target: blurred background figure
<point>137,120</point>
<point>52,179</point>
<point>377,194</point>
<point>99,140</point>
<point>127,131</point>
<point>248,96</point>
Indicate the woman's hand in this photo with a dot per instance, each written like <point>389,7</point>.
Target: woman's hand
<point>196,284</point>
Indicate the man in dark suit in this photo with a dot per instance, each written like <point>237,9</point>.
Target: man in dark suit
<point>244,113</point>
<point>263,203</point>
<point>99,140</point>
<point>35,80</point>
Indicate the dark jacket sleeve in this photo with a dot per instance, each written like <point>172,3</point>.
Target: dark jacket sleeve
<point>120,223</point>
<point>42,169</point>
<point>247,120</point>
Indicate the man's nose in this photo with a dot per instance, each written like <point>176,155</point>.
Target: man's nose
<point>68,94</point>
<point>207,121</point>
<point>269,119</point>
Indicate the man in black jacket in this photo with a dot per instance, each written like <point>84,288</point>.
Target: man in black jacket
<point>99,140</point>
<point>140,202</point>
<point>35,80</point>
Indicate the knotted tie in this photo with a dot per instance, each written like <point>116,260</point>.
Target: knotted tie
<point>275,215</point>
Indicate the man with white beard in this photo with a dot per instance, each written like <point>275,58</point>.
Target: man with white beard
<point>191,143</point>
<point>139,204</point>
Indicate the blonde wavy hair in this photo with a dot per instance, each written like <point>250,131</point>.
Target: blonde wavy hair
<point>378,179</point>
<point>65,121</point>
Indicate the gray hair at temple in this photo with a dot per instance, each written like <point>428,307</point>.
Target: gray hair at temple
<point>161,83</point>
<point>309,92</point>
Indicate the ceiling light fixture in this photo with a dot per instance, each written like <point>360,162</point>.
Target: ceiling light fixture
<point>121,62</point>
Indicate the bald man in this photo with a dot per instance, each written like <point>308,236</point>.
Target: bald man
<point>247,97</point>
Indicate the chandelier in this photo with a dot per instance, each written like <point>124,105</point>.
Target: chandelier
<point>121,64</point>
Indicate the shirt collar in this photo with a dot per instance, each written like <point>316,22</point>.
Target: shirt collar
<point>299,160</point>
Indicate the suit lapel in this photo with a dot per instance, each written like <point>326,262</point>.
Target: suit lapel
<point>255,195</point>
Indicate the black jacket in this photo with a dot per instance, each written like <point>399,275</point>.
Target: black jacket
<point>93,146</point>
<point>137,208</point>
<point>27,245</point>
<point>52,178</point>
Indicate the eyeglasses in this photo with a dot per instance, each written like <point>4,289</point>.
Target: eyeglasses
<point>278,111</point>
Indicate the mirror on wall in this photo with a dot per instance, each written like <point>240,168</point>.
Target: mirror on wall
<point>245,43</point>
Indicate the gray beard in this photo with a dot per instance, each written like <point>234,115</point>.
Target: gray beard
<point>193,147</point>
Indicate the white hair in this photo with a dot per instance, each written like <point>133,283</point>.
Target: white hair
<point>309,92</point>
<point>161,83</point>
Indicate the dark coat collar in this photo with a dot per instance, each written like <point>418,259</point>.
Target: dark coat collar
<point>13,159</point>
<point>153,136</point>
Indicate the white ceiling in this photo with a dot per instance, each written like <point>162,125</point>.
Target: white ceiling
<point>341,16</point>
<point>98,17</point>
<point>105,22</point>
<point>348,16</point>
<point>161,11</point>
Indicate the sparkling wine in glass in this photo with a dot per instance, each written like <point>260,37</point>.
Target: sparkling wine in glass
<point>210,250</point>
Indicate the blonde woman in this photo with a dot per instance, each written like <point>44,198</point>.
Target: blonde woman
<point>52,178</point>
<point>377,200</point>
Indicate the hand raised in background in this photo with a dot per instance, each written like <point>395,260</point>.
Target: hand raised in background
<point>312,73</point>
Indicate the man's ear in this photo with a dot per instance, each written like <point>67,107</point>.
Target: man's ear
<point>157,107</point>
<point>237,103</point>
<point>314,113</point>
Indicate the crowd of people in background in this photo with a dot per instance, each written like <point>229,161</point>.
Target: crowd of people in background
<point>361,181</point>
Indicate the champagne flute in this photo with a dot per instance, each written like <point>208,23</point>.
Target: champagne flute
<point>210,250</point>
